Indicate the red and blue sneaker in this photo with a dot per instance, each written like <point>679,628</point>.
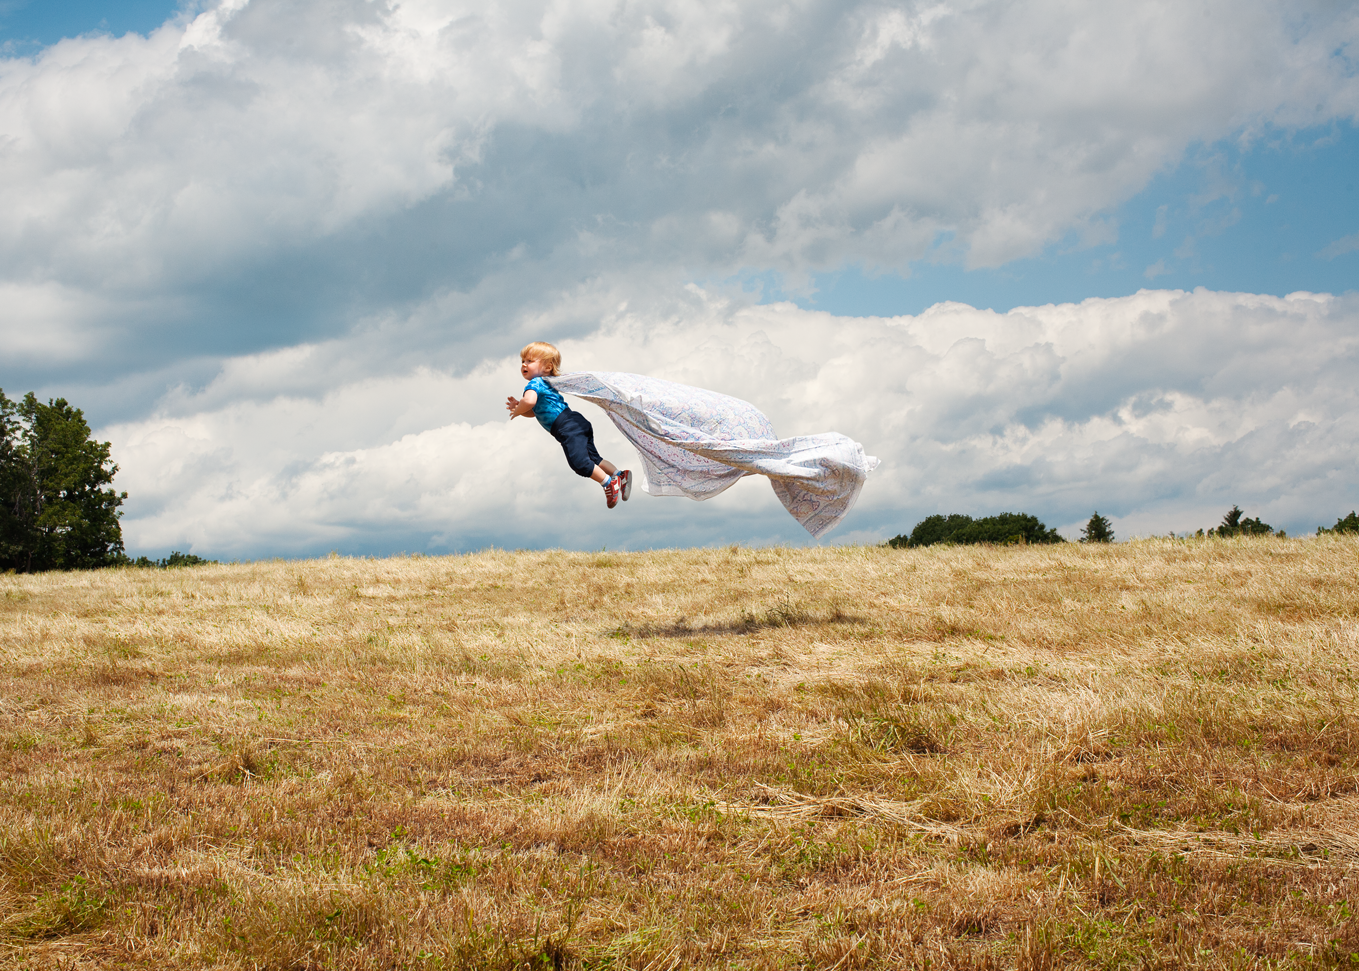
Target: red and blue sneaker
<point>624,484</point>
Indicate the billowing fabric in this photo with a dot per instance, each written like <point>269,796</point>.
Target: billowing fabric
<point>549,405</point>
<point>697,443</point>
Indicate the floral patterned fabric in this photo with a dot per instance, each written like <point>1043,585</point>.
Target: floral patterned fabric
<point>697,443</point>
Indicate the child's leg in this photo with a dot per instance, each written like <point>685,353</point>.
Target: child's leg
<point>577,437</point>
<point>572,431</point>
<point>604,471</point>
<point>622,481</point>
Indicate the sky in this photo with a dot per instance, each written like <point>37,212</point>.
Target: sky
<point>1035,256</point>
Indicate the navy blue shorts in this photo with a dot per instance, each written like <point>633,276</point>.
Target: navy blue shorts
<point>577,436</point>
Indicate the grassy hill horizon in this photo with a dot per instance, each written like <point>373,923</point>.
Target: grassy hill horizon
<point>1132,755</point>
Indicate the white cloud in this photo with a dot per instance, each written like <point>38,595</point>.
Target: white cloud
<point>303,237</point>
<point>48,322</point>
<point>1152,408</point>
<point>1339,247</point>
<point>271,173</point>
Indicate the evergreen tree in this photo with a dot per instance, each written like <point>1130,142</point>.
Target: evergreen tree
<point>1237,523</point>
<point>1097,530</point>
<point>57,511</point>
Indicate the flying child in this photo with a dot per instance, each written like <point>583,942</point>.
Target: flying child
<point>572,429</point>
<point>691,441</point>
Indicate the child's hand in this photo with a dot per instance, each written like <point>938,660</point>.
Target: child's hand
<point>521,406</point>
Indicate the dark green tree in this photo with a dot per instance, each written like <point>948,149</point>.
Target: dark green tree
<point>1007,527</point>
<point>931,530</point>
<point>1237,523</point>
<point>12,534</point>
<point>175,559</point>
<point>1097,530</point>
<point>59,512</point>
<point>1349,524</point>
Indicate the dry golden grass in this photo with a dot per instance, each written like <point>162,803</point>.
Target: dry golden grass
<point>1132,756</point>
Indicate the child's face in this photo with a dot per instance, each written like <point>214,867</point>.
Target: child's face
<point>532,369</point>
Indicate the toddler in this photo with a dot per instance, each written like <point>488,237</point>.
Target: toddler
<point>571,428</point>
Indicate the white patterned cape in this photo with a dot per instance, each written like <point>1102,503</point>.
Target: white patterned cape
<point>697,443</point>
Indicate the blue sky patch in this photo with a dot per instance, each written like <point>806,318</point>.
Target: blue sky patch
<point>1277,215</point>
<point>26,26</point>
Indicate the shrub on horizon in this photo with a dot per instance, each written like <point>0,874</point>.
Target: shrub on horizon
<point>1007,527</point>
<point>175,559</point>
<point>931,530</point>
<point>1236,523</point>
<point>1098,530</point>
<point>1349,524</point>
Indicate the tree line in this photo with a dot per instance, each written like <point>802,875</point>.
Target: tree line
<point>59,510</point>
<point>1014,527</point>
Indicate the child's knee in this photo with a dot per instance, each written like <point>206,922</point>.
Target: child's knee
<point>578,457</point>
<point>577,441</point>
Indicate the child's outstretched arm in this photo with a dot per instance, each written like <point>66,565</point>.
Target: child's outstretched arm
<point>521,406</point>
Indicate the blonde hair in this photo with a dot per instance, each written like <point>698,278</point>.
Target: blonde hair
<point>545,352</point>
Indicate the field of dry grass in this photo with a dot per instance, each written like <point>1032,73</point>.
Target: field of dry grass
<point>1139,756</point>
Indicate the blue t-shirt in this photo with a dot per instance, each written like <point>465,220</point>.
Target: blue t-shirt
<point>550,403</point>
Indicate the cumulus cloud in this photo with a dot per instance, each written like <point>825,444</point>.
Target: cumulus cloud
<point>268,173</point>
<point>1160,409</point>
<point>284,248</point>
